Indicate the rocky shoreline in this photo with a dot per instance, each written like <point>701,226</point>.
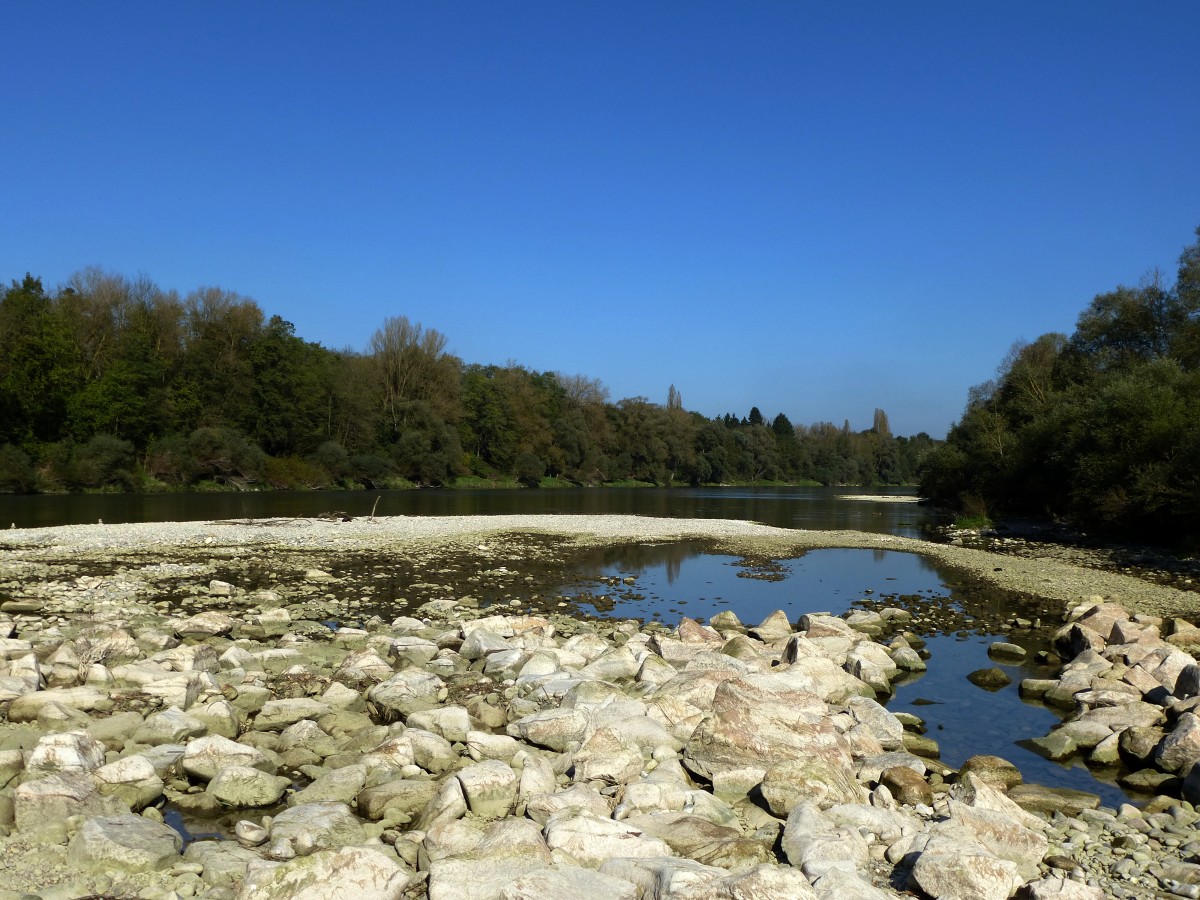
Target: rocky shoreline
<point>236,678</point>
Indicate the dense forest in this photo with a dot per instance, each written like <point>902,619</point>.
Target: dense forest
<point>1101,428</point>
<point>109,383</point>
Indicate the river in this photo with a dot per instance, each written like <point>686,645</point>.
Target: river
<point>786,507</point>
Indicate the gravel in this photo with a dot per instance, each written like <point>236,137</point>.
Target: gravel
<point>1049,579</point>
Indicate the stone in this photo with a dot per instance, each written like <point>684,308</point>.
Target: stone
<point>694,837</point>
<point>1056,745</point>
<point>1005,651</point>
<point>765,882</point>
<point>816,844</point>
<point>400,799</point>
<point>661,876</point>
<point>553,729</point>
<point>1180,749</point>
<point>558,883</point>
<point>822,778</point>
<point>955,871</point>
<point>992,679</point>
<point>993,770</point>
<point>350,873</point>
<point>340,785</point>
<point>608,756</point>
<point>762,720</point>
<point>907,786</point>
<point>362,668</point>
<point>477,879</point>
<point>209,623</point>
<point>775,627</point>
<point>489,787</point>
<point>171,726</point>
<point>132,779</point>
<point>1000,834</point>
<point>129,843</point>
<point>242,786</point>
<point>406,692</point>
<point>1036,798</point>
<point>85,699</point>
<point>590,840</point>
<point>70,753</point>
<point>1062,889</point>
<point>276,715</point>
<point>206,756</point>
<point>838,884</point>
<point>317,826</point>
<point>55,798</point>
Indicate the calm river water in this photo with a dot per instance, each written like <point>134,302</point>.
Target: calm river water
<point>786,507</point>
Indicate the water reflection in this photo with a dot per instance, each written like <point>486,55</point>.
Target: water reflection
<point>666,582</point>
<point>670,577</point>
<point>811,508</point>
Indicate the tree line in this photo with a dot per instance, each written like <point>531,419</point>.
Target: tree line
<point>110,383</point>
<point>1101,427</point>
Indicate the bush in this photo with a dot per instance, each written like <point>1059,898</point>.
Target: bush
<point>104,461</point>
<point>293,472</point>
<point>17,475</point>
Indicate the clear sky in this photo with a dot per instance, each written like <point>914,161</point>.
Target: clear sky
<point>815,208</point>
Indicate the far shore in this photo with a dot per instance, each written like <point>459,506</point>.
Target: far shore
<point>1042,578</point>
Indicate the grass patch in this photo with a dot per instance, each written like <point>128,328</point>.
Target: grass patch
<point>477,482</point>
<point>554,482</point>
<point>972,522</point>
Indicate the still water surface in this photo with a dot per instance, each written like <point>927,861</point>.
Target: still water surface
<point>679,580</point>
<point>813,508</point>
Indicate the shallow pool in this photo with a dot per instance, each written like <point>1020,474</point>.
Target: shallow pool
<point>666,582</point>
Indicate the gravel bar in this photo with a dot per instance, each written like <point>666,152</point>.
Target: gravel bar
<point>1048,579</point>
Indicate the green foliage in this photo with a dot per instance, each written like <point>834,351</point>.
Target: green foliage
<point>1102,427</point>
<point>111,383</point>
<point>17,475</point>
<point>104,461</point>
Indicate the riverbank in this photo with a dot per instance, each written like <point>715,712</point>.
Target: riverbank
<point>234,679</point>
<point>1037,576</point>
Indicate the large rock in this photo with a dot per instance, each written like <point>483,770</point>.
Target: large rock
<point>478,879</point>
<point>1180,749</point>
<point>209,623</point>
<point>127,842</point>
<point>70,753</point>
<point>205,757</point>
<point>489,787</point>
<point>816,844</point>
<point>85,699</point>
<point>317,826</point>
<point>55,798</point>
<point>825,776</point>
<point>351,873</point>
<point>171,726</point>
<point>407,692</point>
<point>766,882</point>
<point>706,842</point>
<point>553,729</point>
<point>339,785</point>
<point>948,869</point>
<point>132,779</point>
<point>661,876</point>
<point>276,715</point>
<point>241,787</point>
<point>758,721</point>
<point>558,883</point>
<point>590,840</point>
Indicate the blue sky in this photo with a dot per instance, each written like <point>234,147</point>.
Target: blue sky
<point>818,209</point>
